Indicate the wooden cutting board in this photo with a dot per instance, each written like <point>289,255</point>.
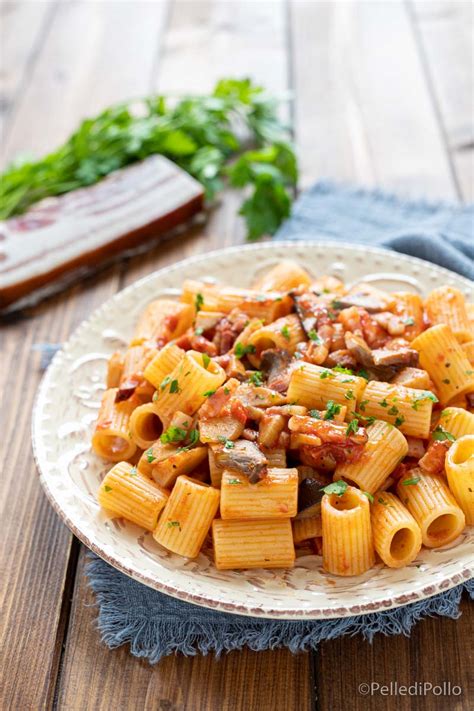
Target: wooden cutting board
<point>62,238</point>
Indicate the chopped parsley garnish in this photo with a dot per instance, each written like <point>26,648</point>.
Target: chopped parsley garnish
<point>411,482</point>
<point>332,409</point>
<point>368,420</point>
<point>399,421</point>
<point>336,487</point>
<point>226,391</point>
<point>363,373</point>
<point>173,434</point>
<point>174,524</point>
<point>205,360</point>
<point>341,369</point>
<point>441,435</point>
<point>241,350</point>
<point>285,332</point>
<point>199,331</point>
<point>424,396</point>
<point>393,410</point>
<point>410,321</point>
<point>228,444</point>
<point>336,304</point>
<point>165,382</point>
<point>384,503</point>
<point>208,393</point>
<point>234,481</point>
<point>199,301</point>
<point>107,488</point>
<point>362,405</point>
<point>133,472</point>
<point>313,336</point>
<point>349,395</point>
<point>193,439</point>
<point>174,386</point>
<point>369,496</point>
<point>150,456</point>
<point>353,426</point>
<point>469,372</point>
<point>256,378</point>
<point>315,413</point>
<point>383,403</point>
<point>326,374</point>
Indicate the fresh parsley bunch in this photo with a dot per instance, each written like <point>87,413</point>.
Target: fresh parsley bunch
<point>208,136</point>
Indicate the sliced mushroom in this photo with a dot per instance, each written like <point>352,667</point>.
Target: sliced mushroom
<point>309,497</point>
<point>242,456</point>
<point>275,364</point>
<point>401,357</point>
<point>359,349</point>
<point>367,297</point>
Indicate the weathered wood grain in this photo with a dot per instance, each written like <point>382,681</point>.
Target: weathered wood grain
<point>444,32</point>
<point>95,53</point>
<point>438,650</point>
<point>237,681</point>
<point>362,109</point>
<point>23,26</point>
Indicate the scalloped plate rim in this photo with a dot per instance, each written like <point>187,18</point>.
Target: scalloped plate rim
<point>462,575</point>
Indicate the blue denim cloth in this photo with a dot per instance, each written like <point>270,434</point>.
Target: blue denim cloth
<point>156,625</point>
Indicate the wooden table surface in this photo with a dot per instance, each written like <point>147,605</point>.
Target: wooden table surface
<point>382,95</point>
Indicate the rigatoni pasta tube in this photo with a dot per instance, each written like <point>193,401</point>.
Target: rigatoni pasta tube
<point>460,473</point>
<point>163,363</point>
<point>283,276</point>
<point>275,496</point>
<point>125,493</point>
<point>135,361</point>
<point>186,386</point>
<point>267,306</point>
<point>161,321</point>
<point>187,517</point>
<point>433,507</point>
<point>167,470</point>
<point>112,439</point>
<point>145,425</point>
<point>385,448</point>
<point>348,547</point>
<point>284,333</point>
<point>397,536</point>
<point>468,349</point>
<point>253,544</point>
<point>409,307</point>
<point>447,305</point>
<point>446,362</point>
<point>457,421</point>
<point>313,386</point>
<point>306,528</point>
<point>406,408</point>
<point>114,369</point>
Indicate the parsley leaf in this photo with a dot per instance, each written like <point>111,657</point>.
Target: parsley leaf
<point>441,435</point>
<point>285,332</point>
<point>198,301</point>
<point>173,434</point>
<point>336,487</point>
<point>340,369</point>
<point>332,409</point>
<point>205,360</point>
<point>353,426</point>
<point>411,482</point>
<point>369,496</point>
<point>150,456</point>
<point>313,336</point>
<point>228,444</point>
<point>256,378</point>
<point>241,350</point>
<point>174,387</point>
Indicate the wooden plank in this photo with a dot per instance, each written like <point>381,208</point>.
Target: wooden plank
<point>36,548</point>
<point>438,651</point>
<point>363,111</point>
<point>96,54</point>
<point>444,31</point>
<point>205,41</point>
<point>22,28</point>
<point>238,680</point>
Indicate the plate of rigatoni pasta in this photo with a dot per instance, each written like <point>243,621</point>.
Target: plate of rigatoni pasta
<point>282,430</point>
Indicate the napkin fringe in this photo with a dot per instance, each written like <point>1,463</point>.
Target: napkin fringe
<point>154,633</point>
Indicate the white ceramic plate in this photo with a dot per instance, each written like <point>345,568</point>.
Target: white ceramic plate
<point>67,404</point>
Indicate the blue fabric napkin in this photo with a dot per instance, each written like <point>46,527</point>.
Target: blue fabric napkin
<point>156,625</point>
